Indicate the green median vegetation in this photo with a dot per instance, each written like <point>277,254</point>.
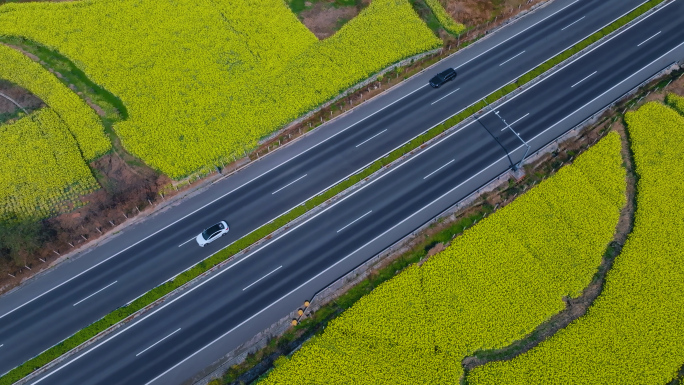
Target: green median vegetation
<point>225,254</point>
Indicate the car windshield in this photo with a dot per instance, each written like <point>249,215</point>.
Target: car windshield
<point>210,231</point>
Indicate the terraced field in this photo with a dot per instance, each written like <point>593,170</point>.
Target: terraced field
<point>44,155</point>
<point>80,120</point>
<point>43,172</point>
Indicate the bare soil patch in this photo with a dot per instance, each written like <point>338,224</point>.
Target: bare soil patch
<point>474,12</point>
<point>326,18</point>
<point>29,54</point>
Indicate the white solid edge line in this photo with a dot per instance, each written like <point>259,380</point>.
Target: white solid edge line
<point>312,147</point>
<point>286,211</point>
<point>342,179</point>
<point>357,146</point>
<point>444,96</point>
<point>512,58</point>
<point>573,23</point>
<point>289,184</point>
<point>353,193</point>
<point>542,20</point>
<point>154,344</point>
<point>257,281</point>
<point>131,301</point>
<point>318,193</point>
<point>519,147</point>
<point>447,163</point>
<point>181,272</point>
<point>590,75</point>
<point>610,89</point>
<point>94,293</point>
<point>516,121</point>
<point>354,221</point>
<point>213,201</point>
<point>658,33</point>
<point>330,186</point>
<point>552,56</point>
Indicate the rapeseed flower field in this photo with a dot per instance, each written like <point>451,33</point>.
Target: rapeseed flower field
<point>675,101</point>
<point>204,80</point>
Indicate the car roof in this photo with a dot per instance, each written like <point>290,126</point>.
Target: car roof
<point>447,71</point>
<point>213,229</point>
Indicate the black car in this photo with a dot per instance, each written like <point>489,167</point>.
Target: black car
<point>443,77</point>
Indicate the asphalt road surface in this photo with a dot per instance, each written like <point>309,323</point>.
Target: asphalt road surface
<point>197,327</point>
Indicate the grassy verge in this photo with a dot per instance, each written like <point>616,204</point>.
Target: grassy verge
<point>164,289</point>
<point>108,106</point>
<point>428,16</point>
<point>7,116</point>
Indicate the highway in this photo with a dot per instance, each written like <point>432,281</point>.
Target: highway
<point>74,294</point>
<point>181,337</point>
<point>56,305</point>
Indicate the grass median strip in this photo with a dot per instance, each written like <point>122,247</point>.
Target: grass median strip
<point>166,288</point>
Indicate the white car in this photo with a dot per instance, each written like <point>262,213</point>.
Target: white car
<point>213,233</point>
